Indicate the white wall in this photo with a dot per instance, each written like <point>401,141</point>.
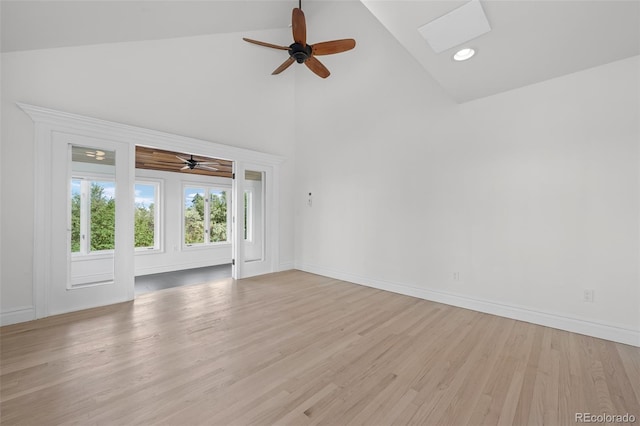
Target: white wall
<point>531,196</point>
<point>553,182</point>
<point>216,88</point>
<point>174,255</point>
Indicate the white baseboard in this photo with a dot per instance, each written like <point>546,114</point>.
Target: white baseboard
<point>577,325</point>
<point>159,269</point>
<point>285,266</point>
<point>16,315</point>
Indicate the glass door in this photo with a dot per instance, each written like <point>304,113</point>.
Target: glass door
<point>252,221</point>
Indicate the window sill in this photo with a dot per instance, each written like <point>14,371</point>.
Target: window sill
<point>91,256</point>
<point>143,251</point>
<point>203,246</point>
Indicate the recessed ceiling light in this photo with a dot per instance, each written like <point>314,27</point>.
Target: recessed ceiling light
<point>464,54</point>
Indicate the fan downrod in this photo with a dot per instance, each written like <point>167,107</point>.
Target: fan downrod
<point>299,52</point>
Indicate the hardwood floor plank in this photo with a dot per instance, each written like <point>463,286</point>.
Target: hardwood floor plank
<point>544,404</point>
<point>525,402</point>
<point>616,380</point>
<point>302,349</point>
<point>459,390</point>
<point>502,390</point>
<point>630,362</point>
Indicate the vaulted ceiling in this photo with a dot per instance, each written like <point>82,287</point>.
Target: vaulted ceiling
<point>529,41</point>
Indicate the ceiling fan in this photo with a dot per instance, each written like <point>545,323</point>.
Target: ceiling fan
<point>304,53</point>
<point>190,163</point>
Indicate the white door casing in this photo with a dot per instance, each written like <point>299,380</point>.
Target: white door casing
<point>113,271</point>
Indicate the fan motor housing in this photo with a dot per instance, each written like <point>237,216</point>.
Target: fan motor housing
<point>299,52</point>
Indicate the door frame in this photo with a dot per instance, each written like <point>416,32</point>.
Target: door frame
<point>63,296</point>
<point>47,121</point>
<point>269,261</point>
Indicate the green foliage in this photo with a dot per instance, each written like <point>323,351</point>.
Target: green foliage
<point>193,226</point>
<point>75,223</point>
<point>103,219</point>
<point>144,226</point>
<point>198,204</point>
<point>218,218</point>
<point>193,221</point>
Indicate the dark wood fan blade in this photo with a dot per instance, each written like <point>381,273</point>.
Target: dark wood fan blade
<point>299,26</point>
<point>284,66</point>
<point>164,164</point>
<point>316,66</point>
<point>334,46</point>
<point>262,43</point>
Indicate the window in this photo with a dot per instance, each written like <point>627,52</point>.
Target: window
<point>206,216</point>
<point>147,214</point>
<point>93,214</point>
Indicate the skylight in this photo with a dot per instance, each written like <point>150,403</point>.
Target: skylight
<point>456,27</point>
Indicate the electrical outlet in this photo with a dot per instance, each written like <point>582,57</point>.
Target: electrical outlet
<point>587,295</point>
<point>456,276</point>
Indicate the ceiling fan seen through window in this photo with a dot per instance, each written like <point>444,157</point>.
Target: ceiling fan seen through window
<point>190,163</point>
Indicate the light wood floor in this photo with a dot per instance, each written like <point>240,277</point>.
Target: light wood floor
<point>296,348</point>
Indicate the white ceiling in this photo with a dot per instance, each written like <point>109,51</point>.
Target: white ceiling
<point>28,24</point>
<point>529,41</point>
